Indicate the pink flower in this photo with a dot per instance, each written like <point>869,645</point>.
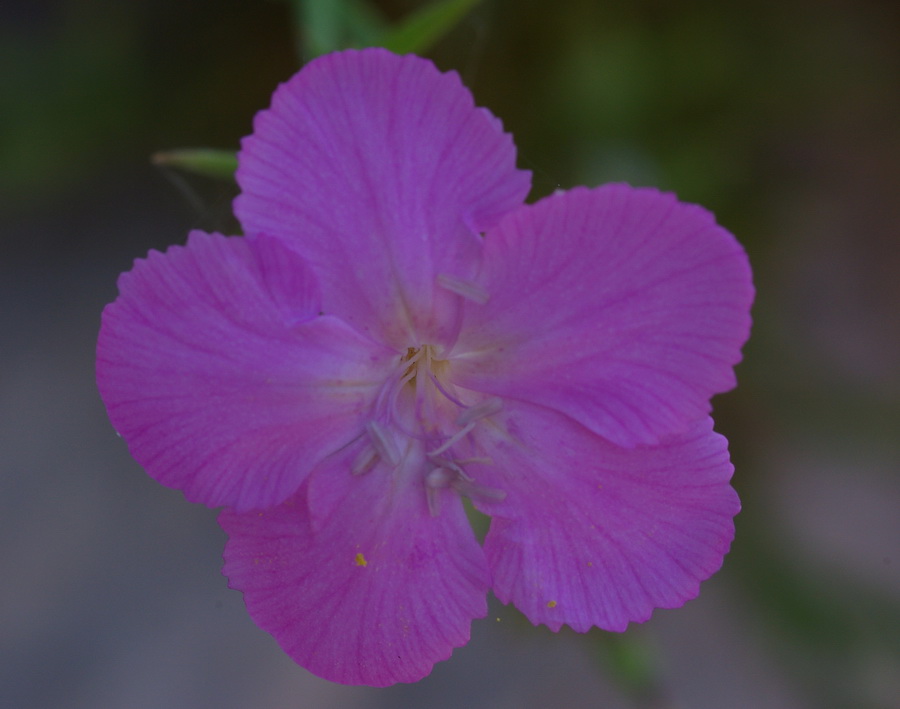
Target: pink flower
<point>398,331</point>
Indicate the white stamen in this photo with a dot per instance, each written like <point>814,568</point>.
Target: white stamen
<point>364,461</point>
<point>384,442</point>
<point>461,433</point>
<point>454,467</point>
<point>449,465</point>
<point>488,407</point>
<point>473,491</point>
<point>467,289</point>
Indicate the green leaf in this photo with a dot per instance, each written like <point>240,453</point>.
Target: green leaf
<point>421,29</point>
<point>323,26</point>
<point>318,25</point>
<point>209,162</point>
<point>630,662</point>
<point>363,23</point>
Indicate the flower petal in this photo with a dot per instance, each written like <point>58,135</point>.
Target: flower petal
<point>216,371</point>
<point>377,594</point>
<point>620,307</point>
<point>381,172</point>
<point>594,534</point>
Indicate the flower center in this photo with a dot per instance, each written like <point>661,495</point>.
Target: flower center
<point>424,425</point>
<point>423,360</point>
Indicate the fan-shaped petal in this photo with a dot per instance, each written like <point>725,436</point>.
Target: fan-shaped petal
<point>591,534</point>
<point>620,307</point>
<point>216,370</point>
<point>381,172</point>
<point>375,595</point>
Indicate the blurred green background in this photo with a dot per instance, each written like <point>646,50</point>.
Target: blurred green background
<point>781,117</point>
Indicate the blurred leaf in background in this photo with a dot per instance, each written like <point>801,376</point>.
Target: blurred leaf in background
<point>70,91</point>
<point>417,32</point>
<point>209,162</point>
<point>323,26</point>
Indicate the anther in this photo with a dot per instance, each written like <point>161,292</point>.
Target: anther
<point>450,466</point>
<point>435,481</point>
<point>364,461</point>
<point>487,407</point>
<point>467,289</point>
<point>384,442</point>
<point>474,491</point>
<point>461,433</point>
<point>451,475</point>
<point>439,478</point>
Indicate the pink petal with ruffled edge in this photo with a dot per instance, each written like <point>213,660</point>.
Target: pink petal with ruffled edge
<point>620,307</point>
<point>378,593</point>
<point>591,534</point>
<point>215,370</point>
<point>380,171</point>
